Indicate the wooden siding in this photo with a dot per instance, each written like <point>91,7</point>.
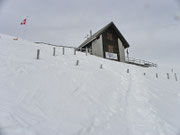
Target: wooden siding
<point>110,43</point>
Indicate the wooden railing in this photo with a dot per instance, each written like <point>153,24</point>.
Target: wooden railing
<point>139,62</point>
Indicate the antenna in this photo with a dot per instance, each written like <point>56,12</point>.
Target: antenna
<point>90,33</point>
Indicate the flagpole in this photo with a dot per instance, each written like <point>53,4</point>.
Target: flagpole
<point>25,28</point>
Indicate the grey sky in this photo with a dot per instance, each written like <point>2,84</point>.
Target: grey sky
<point>152,28</point>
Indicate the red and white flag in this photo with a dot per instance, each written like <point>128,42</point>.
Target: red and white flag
<point>23,22</point>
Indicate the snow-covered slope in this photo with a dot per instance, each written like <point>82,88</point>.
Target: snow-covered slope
<point>53,96</point>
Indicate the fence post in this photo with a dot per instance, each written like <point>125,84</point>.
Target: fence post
<point>101,67</point>
<point>77,62</point>
<point>38,54</point>
<point>175,76</point>
<point>63,51</point>
<point>127,70</point>
<point>168,76</point>
<point>86,51</point>
<point>157,75</point>
<point>74,51</point>
<point>54,51</point>
<point>144,74</point>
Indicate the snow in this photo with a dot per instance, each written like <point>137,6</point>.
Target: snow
<point>53,96</point>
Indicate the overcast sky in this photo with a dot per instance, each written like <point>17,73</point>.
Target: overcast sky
<point>152,27</point>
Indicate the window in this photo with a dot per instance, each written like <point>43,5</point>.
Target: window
<point>110,48</point>
<point>109,36</point>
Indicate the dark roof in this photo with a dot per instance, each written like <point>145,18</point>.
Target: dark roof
<point>97,34</point>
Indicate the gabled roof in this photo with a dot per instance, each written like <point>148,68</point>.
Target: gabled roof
<point>97,34</point>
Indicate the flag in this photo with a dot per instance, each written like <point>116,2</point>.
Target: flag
<point>23,22</point>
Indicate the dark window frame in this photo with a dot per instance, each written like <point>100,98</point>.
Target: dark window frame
<point>110,36</point>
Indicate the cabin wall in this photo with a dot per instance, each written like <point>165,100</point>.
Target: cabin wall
<point>121,51</point>
<point>97,47</point>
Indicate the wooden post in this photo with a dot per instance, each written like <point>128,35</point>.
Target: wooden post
<point>77,62</point>
<point>54,51</point>
<point>175,76</point>
<point>38,54</point>
<point>74,51</point>
<point>144,74</point>
<point>157,75</point>
<point>127,70</point>
<point>86,51</point>
<point>168,76</point>
<point>63,51</point>
<point>101,67</point>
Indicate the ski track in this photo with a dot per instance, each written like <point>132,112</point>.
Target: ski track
<point>53,96</point>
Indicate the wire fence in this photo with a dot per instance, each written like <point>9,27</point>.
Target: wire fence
<point>88,50</point>
<point>129,60</point>
<point>169,76</point>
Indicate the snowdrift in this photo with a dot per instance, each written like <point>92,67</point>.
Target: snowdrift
<point>53,96</point>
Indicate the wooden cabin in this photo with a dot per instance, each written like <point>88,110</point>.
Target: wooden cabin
<point>107,43</point>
